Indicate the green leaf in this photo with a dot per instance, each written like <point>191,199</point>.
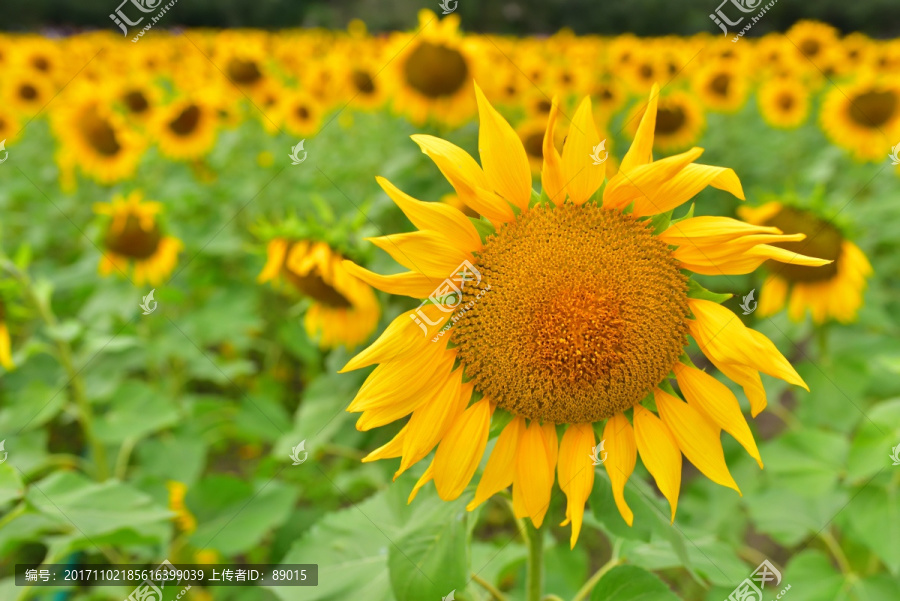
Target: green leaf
<point>11,486</point>
<point>351,548</point>
<point>874,518</point>
<point>137,410</point>
<point>873,443</point>
<point>431,557</point>
<point>695,290</point>
<point>240,520</point>
<point>631,583</point>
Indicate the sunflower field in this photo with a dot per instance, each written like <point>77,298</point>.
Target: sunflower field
<point>431,315</point>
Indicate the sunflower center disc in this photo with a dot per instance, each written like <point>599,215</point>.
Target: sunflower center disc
<point>132,241</point>
<point>873,109</point>
<point>669,120</point>
<point>823,241</point>
<point>586,313</point>
<point>435,70</point>
<point>186,122</point>
<point>99,133</point>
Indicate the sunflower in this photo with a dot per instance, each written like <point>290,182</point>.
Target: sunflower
<point>9,125</point>
<point>184,519</point>
<point>861,117</point>
<point>679,121</point>
<point>433,71</point>
<point>834,291</point>
<point>812,40</point>
<point>366,90</point>
<point>576,313</point>
<point>97,139</point>
<point>27,91</point>
<point>186,128</point>
<point>5,346</point>
<point>784,102</point>
<point>134,235</point>
<point>301,114</point>
<point>344,311</point>
<point>721,86</point>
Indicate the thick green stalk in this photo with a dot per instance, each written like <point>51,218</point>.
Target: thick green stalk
<point>534,584</point>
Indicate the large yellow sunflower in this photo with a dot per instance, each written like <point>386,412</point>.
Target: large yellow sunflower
<point>344,310</point>
<point>576,310</point>
<point>863,117</point>
<point>834,291</point>
<point>134,237</point>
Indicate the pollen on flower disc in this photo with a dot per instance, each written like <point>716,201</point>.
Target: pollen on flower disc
<point>586,312</point>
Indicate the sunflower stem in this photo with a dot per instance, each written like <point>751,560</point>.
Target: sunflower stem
<point>76,384</point>
<point>535,579</point>
<point>614,560</point>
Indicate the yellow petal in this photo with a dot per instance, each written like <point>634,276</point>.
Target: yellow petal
<point>684,186</point>
<point>772,296</point>
<point>534,473</point>
<point>646,181</point>
<point>401,338</point>
<point>430,421</point>
<point>501,466</point>
<point>660,454</point>
<point>748,378</point>
<point>576,473</point>
<point>552,178</point>
<point>697,438</point>
<point>428,253</point>
<point>436,216</point>
<point>275,252</point>
<point>426,477</point>
<point>460,451</point>
<point>620,460</point>
<point>641,151</point>
<point>467,178</point>
<point>409,283</point>
<point>393,448</point>
<point>712,398</point>
<point>502,155</point>
<point>582,176</point>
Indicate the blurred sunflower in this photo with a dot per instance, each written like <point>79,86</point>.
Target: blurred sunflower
<point>784,102</point>
<point>184,519</point>
<point>606,331</point>
<point>301,114</point>
<point>861,117</point>
<point>721,86</point>
<point>27,91</point>
<point>834,291</point>
<point>186,128</point>
<point>433,73</point>
<point>812,39</point>
<point>134,236</point>
<point>9,125</point>
<point>679,121</point>
<point>5,346</point>
<point>97,139</point>
<point>344,311</point>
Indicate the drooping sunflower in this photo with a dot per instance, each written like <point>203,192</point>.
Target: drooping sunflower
<point>134,237</point>
<point>344,311</point>
<point>603,335</point>
<point>834,291</point>
<point>679,121</point>
<point>863,117</point>
<point>433,71</point>
<point>784,102</point>
<point>186,128</point>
